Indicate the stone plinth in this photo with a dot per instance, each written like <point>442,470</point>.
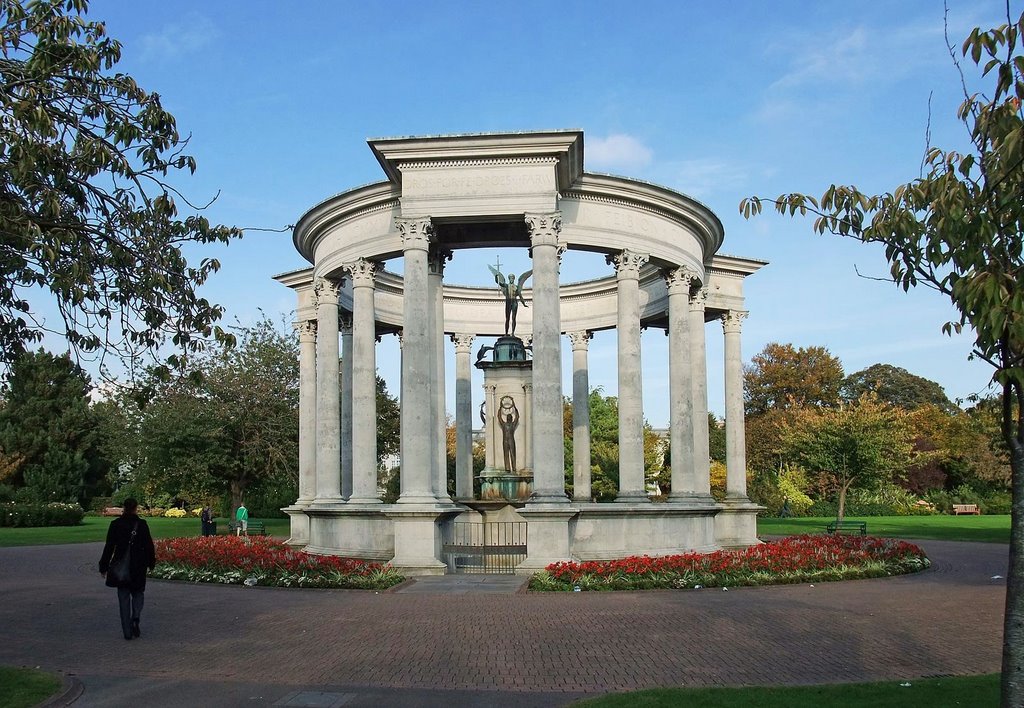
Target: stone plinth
<point>350,530</point>
<point>609,531</point>
<point>417,537</point>
<point>298,536</point>
<point>736,523</point>
<point>508,381</point>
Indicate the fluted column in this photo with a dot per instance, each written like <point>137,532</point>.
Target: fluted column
<point>699,382</point>
<point>735,436</point>
<point>493,443</point>
<point>417,404</point>
<point>364,383</point>
<point>345,326</point>
<point>528,430</point>
<point>463,416</point>
<point>580,416</point>
<point>328,430</point>
<point>631,408</point>
<point>435,289</point>
<point>679,282</point>
<point>307,410</point>
<point>549,457</point>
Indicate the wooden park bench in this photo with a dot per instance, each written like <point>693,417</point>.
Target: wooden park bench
<point>965,509</point>
<point>850,527</point>
<point>256,528</point>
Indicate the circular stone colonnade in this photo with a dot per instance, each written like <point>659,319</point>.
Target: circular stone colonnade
<point>445,193</point>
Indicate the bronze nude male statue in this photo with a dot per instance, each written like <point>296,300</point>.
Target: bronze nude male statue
<point>513,292</point>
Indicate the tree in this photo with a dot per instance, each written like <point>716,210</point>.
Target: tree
<point>233,427</point>
<point>87,210</point>
<point>896,386</point>
<point>782,375</point>
<point>959,229</point>
<point>49,428</point>
<point>862,444</point>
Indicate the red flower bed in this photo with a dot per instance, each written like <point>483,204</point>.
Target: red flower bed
<point>238,559</point>
<point>793,559</point>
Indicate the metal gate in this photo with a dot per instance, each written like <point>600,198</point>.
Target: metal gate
<point>493,547</point>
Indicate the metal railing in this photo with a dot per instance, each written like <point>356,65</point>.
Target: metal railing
<point>493,547</point>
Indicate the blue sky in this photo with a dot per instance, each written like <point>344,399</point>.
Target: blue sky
<point>716,100</point>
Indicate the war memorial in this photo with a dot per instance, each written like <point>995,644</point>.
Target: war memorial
<point>443,194</point>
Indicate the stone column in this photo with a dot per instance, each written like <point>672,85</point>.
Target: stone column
<point>699,371</point>
<point>463,416</point>
<point>328,429</point>
<point>417,404</point>
<point>364,383</point>
<point>493,443</point>
<point>528,430</point>
<point>307,411</point>
<point>549,455</point>
<point>631,408</point>
<point>580,416</point>
<point>735,442</point>
<point>679,281</point>
<point>435,289</point>
<point>345,325</point>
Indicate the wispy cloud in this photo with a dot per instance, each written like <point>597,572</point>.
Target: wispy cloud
<point>178,39</point>
<point>703,177</point>
<point>618,151</point>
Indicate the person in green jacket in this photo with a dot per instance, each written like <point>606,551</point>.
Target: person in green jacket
<point>242,517</point>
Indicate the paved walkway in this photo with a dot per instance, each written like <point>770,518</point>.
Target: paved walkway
<point>432,646</point>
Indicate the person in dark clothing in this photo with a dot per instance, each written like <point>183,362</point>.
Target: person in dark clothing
<point>129,536</point>
<point>206,517</point>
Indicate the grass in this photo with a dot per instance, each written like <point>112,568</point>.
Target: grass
<point>993,528</point>
<point>975,691</point>
<point>94,528</point>
<point>20,688</point>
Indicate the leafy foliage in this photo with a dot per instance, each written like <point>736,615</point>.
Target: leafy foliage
<point>862,444</point>
<point>86,207</point>
<point>897,386</point>
<point>781,376</point>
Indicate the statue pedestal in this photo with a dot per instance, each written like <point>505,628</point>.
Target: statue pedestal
<point>508,393</point>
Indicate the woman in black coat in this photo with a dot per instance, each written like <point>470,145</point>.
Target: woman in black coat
<point>129,535</point>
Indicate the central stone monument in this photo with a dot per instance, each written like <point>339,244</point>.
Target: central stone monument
<point>506,410</point>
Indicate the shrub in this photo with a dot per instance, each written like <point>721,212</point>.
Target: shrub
<point>175,513</point>
<point>51,514</point>
<point>100,503</point>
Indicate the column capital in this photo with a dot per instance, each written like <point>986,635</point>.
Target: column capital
<point>544,228</point>
<point>325,291</point>
<point>345,322</point>
<point>417,233</point>
<point>363,272</point>
<point>732,321</point>
<point>436,258</point>
<point>681,280</point>
<point>398,335</point>
<point>306,330</point>
<point>528,388</point>
<point>698,299</point>
<point>627,264</point>
<point>527,340</point>
<point>463,342</point>
<point>580,340</point>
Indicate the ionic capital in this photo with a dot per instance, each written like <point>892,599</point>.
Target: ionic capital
<point>417,234</point>
<point>732,321</point>
<point>627,264</point>
<point>362,271</point>
<point>306,330</point>
<point>681,280</point>
<point>325,291</point>
<point>463,342</point>
<point>580,341</point>
<point>544,228</point>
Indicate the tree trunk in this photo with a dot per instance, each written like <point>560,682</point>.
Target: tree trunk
<point>237,490</point>
<point>841,511</point>
<point>1013,623</point>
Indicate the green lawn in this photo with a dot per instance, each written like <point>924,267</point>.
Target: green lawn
<point>977,691</point>
<point>21,688</point>
<point>991,528</point>
<point>94,528</point>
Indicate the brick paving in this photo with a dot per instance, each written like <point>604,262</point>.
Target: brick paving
<point>534,648</point>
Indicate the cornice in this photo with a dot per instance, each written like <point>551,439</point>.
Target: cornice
<point>353,203</point>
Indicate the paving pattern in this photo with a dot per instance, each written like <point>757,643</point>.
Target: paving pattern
<point>447,644</point>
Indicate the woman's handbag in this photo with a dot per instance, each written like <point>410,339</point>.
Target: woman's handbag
<point>121,569</point>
